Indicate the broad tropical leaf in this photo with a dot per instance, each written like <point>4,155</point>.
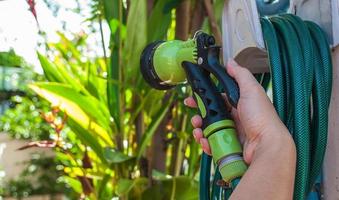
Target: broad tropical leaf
<point>82,109</point>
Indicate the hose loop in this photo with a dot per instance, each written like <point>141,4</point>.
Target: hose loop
<point>301,77</point>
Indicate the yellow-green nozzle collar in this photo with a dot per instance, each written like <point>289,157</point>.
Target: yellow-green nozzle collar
<point>233,170</point>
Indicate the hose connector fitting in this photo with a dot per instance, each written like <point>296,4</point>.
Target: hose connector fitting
<point>226,149</point>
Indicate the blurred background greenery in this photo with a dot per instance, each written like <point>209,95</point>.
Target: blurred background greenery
<point>113,137</point>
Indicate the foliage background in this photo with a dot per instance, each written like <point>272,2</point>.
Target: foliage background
<point>113,135</point>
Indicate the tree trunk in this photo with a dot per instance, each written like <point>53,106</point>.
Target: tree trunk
<point>150,4</point>
<point>159,146</point>
<point>182,20</point>
<point>157,151</point>
<point>197,16</point>
<point>213,22</point>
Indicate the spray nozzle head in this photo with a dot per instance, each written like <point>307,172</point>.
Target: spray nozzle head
<point>161,62</point>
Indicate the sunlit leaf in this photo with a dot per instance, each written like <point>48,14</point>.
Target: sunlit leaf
<point>11,59</point>
<point>135,187</point>
<point>136,40</point>
<point>124,186</point>
<point>160,19</point>
<point>158,175</point>
<point>105,187</point>
<point>179,188</point>
<point>50,70</point>
<point>113,156</point>
<point>115,25</point>
<point>73,183</point>
<point>82,109</point>
<point>88,138</point>
<point>113,9</point>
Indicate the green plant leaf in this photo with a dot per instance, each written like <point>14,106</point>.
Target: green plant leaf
<point>11,59</point>
<point>50,70</point>
<point>158,175</point>
<point>73,183</point>
<point>111,9</point>
<point>147,136</point>
<point>104,186</point>
<point>134,188</point>
<point>69,47</point>
<point>160,19</point>
<point>136,40</point>
<point>82,109</point>
<point>124,186</point>
<point>178,188</point>
<point>113,156</point>
<point>88,138</point>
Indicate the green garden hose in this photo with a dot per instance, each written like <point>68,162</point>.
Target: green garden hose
<point>301,72</point>
<point>301,76</point>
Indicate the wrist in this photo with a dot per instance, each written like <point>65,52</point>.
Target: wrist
<point>277,144</point>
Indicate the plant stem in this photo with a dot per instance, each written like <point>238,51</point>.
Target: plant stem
<point>182,20</point>
<point>197,16</point>
<point>103,40</point>
<point>181,148</point>
<point>213,22</point>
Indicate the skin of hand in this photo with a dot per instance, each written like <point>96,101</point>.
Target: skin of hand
<point>268,147</point>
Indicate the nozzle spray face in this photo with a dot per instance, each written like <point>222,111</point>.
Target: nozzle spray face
<point>147,67</point>
<point>161,62</point>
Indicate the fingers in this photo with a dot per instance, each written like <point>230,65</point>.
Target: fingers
<point>205,146</point>
<point>242,75</point>
<point>198,134</point>
<point>199,138</point>
<point>196,121</point>
<point>190,102</point>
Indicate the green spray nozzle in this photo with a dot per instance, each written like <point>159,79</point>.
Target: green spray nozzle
<point>166,64</point>
<point>162,63</point>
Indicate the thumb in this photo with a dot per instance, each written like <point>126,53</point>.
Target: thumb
<point>241,75</point>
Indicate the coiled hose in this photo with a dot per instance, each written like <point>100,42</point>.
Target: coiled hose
<point>301,77</point>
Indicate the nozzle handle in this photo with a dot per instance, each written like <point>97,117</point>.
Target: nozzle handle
<point>229,84</point>
<point>208,58</point>
<point>218,126</point>
<point>211,105</point>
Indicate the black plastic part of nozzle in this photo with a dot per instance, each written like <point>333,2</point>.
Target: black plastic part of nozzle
<point>147,67</point>
<point>202,85</point>
<point>229,84</point>
<point>208,53</point>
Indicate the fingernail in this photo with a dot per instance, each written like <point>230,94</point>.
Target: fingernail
<point>192,120</point>
<point>232,63</point>
<point>185,102</point>
<point>200,141</point>
<point>195,137</point>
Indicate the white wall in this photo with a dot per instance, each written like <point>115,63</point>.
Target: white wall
<point>11,160</point>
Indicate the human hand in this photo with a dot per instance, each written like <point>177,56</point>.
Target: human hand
<point>255,116</point>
